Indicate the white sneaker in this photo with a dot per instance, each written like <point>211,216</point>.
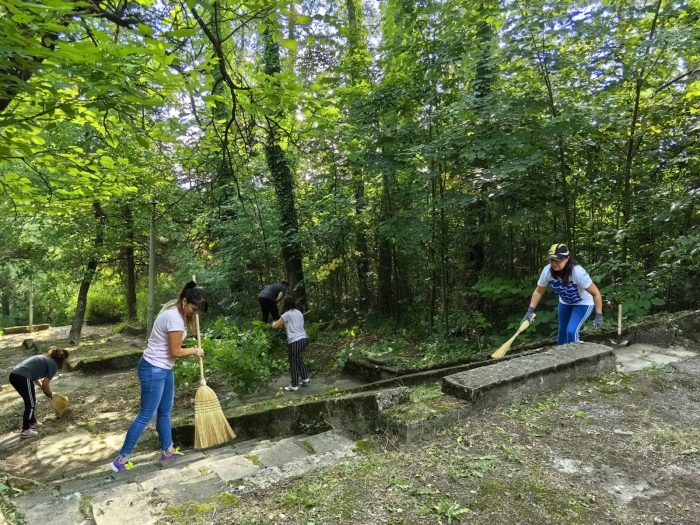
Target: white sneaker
<point>36,426</point>
<point>29,433</point>
<point>305,382</point>
<point>291,388</point>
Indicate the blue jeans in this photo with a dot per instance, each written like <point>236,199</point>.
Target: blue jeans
<point>157,396</point>
<point>571,318</point>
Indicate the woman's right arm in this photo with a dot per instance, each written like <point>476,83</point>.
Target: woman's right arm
<point>175,347</point>
<point>534,301</point>
<point>536,296</point>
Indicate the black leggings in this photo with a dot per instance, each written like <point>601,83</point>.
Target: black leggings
<point>25,388</point>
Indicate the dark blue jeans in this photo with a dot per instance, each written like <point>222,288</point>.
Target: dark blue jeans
<point>157,396</point>
<point>571,318</point>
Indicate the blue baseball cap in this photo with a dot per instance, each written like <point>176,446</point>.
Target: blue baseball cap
<point>558,252</point>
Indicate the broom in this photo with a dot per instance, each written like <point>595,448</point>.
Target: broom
<point>503,349</point>
<point>59,403</point>
<point>211,428</point>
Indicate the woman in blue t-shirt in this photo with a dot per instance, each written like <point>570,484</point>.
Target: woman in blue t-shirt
<point>293,321</point>
<point>578,294</point>
<point>37,370</point>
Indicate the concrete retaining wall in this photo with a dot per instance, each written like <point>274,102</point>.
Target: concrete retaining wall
<point>356,413</point>
<point>512,380</point>
<point>100,365</point>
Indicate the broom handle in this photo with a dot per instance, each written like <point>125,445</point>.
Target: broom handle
<point>199,345</point>
<point>619,320</point>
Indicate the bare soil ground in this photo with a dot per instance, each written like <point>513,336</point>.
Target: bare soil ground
<point>102,405</point>
<point>616,449</point>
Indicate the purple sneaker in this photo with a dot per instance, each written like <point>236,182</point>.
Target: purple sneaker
<point>118,466</point>
<point>176,454</point>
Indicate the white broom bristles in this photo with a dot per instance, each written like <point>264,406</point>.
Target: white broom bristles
<point>59,403</point>
<point>211,428</point>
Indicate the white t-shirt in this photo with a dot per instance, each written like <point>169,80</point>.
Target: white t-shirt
<point>575,292</point>
<point>157,351</point>
<point>294,323</point>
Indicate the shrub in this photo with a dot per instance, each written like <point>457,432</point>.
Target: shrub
<point>244,356</point>
<point>105,306</point>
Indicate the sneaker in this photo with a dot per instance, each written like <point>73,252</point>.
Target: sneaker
<point>118,466</point>
<point>29,433</point>
<point>291,388</point>
<point>305,382</point>
<point>176,454</point>
<point>36,426</point>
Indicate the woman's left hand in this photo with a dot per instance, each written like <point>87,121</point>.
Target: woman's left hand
<point>598,321</point>
<point>199,352</point>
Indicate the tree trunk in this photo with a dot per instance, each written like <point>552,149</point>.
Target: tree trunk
<point>361,245</point>
<point>282,179</point>
<point>130,262</point>
<point>634,140</point>
<point>384,290</point>
<point>356,67</point>
<point>77,328</point>
<point>5,301</point>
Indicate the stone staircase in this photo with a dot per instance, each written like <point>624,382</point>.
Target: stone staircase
<point>141,495</point>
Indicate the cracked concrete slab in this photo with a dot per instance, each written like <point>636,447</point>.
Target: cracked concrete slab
<point>281,453</point>
<point>228,469</point>
<point>326,442</point>
<point>641,355</point>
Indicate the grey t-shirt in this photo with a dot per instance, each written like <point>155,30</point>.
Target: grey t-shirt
<point>271,291</point>
<point>36,367</point>
<point>294,323</point>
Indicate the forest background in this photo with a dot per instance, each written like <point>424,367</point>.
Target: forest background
<point>404,164</point>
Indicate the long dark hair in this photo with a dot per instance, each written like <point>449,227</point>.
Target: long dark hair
<point>289,304</point>
<point>58,354</point>
<point>564,274</point>
<point>196,296</point>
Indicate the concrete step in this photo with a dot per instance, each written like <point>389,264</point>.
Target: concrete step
<point>140,495</point>
<point>511,380</point>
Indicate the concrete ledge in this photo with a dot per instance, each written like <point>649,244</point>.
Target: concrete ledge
<point>413,429</point>
<point>99,365</point>
<point>527,375</point>
<point>355,413</point>
<point>435,374</point>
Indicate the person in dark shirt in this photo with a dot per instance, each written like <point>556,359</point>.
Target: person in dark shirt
<point>37,370</point>
<point>268,299</point>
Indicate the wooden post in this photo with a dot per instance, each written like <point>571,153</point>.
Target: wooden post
<point>31,304</point>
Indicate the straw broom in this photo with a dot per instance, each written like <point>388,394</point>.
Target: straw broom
<point>503,349</point>
<point>211,428</point>
<point>59,403</point>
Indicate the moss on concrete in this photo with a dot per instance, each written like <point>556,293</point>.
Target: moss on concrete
<point>226,498</point>
<point>426,400</point>
<point>307,446</point>
<point>255,460</point>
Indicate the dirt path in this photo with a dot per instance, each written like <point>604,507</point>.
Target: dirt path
<point>101,405</point>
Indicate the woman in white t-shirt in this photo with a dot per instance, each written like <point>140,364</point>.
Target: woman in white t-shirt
<point>155,371</point>
<point>578,294</point>
<point>293,321</point>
